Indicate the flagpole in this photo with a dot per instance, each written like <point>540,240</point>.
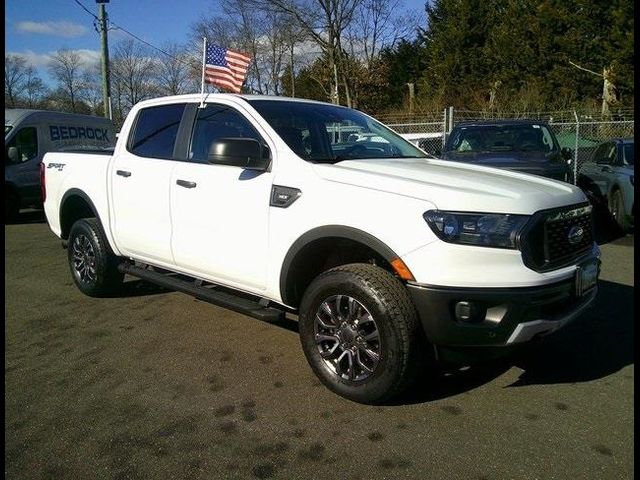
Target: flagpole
<point>204,59</point>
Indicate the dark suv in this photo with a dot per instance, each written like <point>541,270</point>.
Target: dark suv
<point>525,146</point>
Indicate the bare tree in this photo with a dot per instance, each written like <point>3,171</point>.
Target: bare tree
<point>67,68</point>
<point>236,30</point>
<point>378,24</point>
<point>133,69</point>
<point>35,89</point>
<point>325,22</point>
<point>15,78</point>
<point>174,72</point>
<point>266,35</point>
<point>92,77</point>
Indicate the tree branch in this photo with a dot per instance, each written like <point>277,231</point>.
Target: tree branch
<point>585,69</point>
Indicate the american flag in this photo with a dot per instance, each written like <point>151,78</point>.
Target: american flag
<point>225,68</point>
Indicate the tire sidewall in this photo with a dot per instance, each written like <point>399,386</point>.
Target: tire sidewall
<point>90,230</point>
<point>375,387</point>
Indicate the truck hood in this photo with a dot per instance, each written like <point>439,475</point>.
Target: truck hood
<point>453,185</point>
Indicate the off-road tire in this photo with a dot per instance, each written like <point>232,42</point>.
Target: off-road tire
<point>402,344</point>
<point>106,278</point>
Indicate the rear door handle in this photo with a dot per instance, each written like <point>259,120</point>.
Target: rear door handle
<point>186,183</point>
<point>123,173</point>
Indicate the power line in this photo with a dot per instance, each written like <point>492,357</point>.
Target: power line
<point>150,44</point>
<point>118,27</point>
<point>86,9</point>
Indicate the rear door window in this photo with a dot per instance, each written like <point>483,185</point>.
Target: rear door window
<point>155,131</point>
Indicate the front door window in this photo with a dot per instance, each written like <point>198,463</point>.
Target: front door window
<point>23,146</point>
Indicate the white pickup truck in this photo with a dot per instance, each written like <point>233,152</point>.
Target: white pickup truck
<point>390,259</point>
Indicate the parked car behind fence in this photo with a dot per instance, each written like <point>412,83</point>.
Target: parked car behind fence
<point>581,132</point>
<point>609,174</point>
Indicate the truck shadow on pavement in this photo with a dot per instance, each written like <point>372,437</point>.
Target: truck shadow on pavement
<point>593,347</point>
<point>596,345</point>
<point>28,216</point>
<point>137,288</point>
<point>605,227</point>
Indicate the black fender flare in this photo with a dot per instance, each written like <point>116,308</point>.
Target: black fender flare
<point>76,192</point>
<point>327,231</point>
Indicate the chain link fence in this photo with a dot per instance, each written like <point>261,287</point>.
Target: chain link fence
<point>579,132</point>
<point>426,130</point>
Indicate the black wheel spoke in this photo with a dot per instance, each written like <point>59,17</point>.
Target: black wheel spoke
<point>84,259</point>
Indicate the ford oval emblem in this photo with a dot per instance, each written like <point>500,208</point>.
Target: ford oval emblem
<point>575,234</point>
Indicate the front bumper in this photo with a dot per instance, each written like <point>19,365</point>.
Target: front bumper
<point>503,317</point>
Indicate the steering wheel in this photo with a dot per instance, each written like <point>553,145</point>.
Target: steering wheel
<point>356,151</point>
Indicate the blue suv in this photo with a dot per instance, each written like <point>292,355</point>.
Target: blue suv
<point>526,146</point>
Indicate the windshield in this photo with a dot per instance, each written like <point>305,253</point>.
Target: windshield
<point>501,138</point>
<point>628,153</point>
<point>7,129</point>
<point>329,133</point>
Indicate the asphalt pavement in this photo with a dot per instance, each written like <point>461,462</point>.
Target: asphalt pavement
<point>157,385</point>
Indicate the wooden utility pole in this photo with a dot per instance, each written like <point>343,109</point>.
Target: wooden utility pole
<point>293,75</point>
<point>492,93</point>
<point>609,96</point>
<point>411,96</point>
<point>106,86</point>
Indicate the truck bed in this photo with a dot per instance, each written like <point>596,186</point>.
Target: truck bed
<point>83,171</point>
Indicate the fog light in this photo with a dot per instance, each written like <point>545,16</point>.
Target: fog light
<point>470,312</point>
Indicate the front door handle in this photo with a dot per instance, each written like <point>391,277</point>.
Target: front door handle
<point>123,173</point>
<point>186,183</point>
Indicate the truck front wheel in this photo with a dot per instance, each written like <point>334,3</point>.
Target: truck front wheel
<point>360,332</point>
<point>93,266</point>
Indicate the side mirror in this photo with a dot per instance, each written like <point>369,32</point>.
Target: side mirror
<point>246,153</point>
<point>14,156</point>
<point>567,153</point>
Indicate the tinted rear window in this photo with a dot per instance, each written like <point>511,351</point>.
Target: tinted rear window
<point>156,130</point>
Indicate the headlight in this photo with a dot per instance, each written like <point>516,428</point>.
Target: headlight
<point>482,229</point>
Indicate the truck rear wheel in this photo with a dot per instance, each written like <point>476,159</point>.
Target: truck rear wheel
<point>360,332</point>
<point>94,267</point>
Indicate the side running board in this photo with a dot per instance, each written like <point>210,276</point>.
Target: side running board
<point>246,306</point>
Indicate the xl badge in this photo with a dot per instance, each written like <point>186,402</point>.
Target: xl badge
<point>575,235</point>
